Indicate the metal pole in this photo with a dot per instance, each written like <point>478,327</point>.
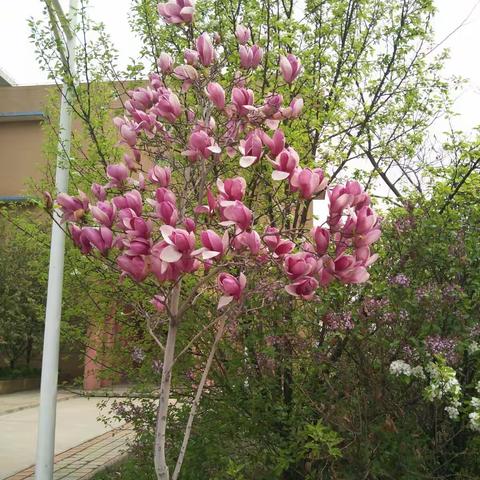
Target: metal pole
<point>48,388</point>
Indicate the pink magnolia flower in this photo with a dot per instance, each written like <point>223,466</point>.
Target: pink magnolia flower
<point>177,11</point>
<point>321,237</point>
<point>167,212</point>
<point>101,238</point>
<point>285,164</point>
<point>364,257</point>
<point>191,56</point>
<point>271,237</point>
<point>131,200</point>
<point>272,105</point>
<point>135,267</point>
<point>275,144</point>
<point>308,182</point>
<point>137,246</point>
<point>104,213</point>
<point>339,199</point>
<point>165,63</point>
<point>163,194</point>
<point>211,204</point>
<point>363,227</point>
<point>324,275</point>
<point>148,123</point>
<point>205,49</point>
<point>213,245</point>
<point>231,287</point>
<point>127,130</point>
<point>278,246</point>
<point>242,98</point>
<point>236,213</point>
<point>164,271</point>
<point>189,224</point>
<point>141,99</point>
<point>298,265</point>
<point>156,81</point>
<point>117,174</point>
<point>99,191</point>
<point>73,208</point>
<point>80,240</point>
<point>216,94</point>
<point>294,110</point>
<point>180,243</point>
<point>304,287</point>
<point>138,227</point>
<point>360,198</point>
<point>243,34</point>
<point>168,106</point>
<point>130,158</point>
<point>232,188</point>
<point>348,269</point>
<point>187,73</point>
<point>248,240</point>
<point>160,175</point>
<point>290,67</point>
<point>200,145</point>
<point>250,57</point>
<point>368,238</point>
<point>284,247</point>
<point>251,149</point>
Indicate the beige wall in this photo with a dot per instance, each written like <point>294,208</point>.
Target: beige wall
<point>20,137</point>
<point>20,155</point>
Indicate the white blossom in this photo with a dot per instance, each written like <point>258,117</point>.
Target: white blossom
<point>452,412</point>
<point>399,367</point>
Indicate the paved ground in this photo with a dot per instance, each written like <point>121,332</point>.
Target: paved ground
<point>83,461</point>
<point>13,402</point>
<point>76,423</point>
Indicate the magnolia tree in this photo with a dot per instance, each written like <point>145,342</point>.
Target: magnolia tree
<point>210,195</point>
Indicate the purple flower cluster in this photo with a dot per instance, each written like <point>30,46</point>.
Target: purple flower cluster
<point>404,224</point>
<point>339,321</point>
<point>451,291</point>
<point>400,279</point>
<point>389,317</point>
<point>372,306</point>
<point>443,346</point>
<point>409,353</point>
<point>424,292</point>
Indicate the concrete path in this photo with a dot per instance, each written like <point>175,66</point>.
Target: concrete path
<point>13,402</point>
<point>84,461</point>
<point>76,423</point>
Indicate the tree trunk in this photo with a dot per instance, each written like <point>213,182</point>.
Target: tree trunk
<point>161,467</point>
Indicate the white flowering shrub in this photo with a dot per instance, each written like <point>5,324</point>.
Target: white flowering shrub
<point>444,387</point>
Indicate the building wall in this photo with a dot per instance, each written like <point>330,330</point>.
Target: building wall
<point>21,110</point>
<point>20,157</point>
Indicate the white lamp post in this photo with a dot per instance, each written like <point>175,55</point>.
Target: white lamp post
<point>48,389</point>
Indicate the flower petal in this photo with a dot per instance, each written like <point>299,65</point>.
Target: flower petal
<point>278,175</point>
<point>224,301</point>
<point>247,161</point>
<point>170,254</point>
